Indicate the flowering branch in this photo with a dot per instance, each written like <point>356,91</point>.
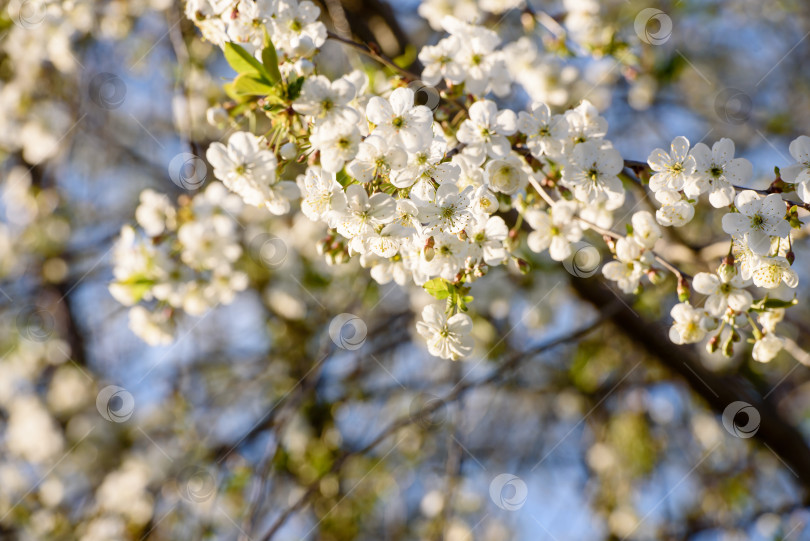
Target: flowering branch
<point>418,193</point>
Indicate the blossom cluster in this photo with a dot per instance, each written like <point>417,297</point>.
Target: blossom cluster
<point>293,25</point>
<point>435,194</point>
<point>179,258</point>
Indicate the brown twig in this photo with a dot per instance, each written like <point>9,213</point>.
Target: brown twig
<point>372,51</point>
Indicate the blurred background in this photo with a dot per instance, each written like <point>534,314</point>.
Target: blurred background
<point>303,409</point>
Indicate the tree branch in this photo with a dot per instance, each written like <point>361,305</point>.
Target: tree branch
<point>718,391</point>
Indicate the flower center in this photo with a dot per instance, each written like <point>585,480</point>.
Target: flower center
<point>398,122</point>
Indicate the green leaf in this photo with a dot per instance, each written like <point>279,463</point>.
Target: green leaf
<point>244,62</point>
<point>294,89</point>
<point>438,288</point>
<point>270,61</point>
<point>230,90</point>
<point>250,84</point>
<point>138,286</point>
<point>770,304</point>
<point>407,58</point>
<point>778,303</point>
<point>343,178</point>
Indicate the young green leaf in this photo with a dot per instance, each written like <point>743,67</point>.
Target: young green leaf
<point>244,62</point>
<point>270,61</point>
<point>438,288</point>
<point>250,84</point>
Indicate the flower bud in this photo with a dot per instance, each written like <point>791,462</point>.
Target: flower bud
<point>683,289</point>
<point>728,347</point>
<point>726,271</point>
<point>428,250</point>
<point>216,116</point>
<point>708,324</point>
<point>713,344</point>
<point>289,151</point>
<point>523,265</point>
<point>655,276</point>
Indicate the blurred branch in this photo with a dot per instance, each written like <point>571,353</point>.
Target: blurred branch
<point>432,407</point>
<point>718,391</point>
<point>372,51</point>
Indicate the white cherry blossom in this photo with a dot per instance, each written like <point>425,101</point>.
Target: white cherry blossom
<point>767,347</point>
<point>554,230</point>
<point>724,291</point>
<point>770,272</point>
<point>448,338</point>
<point>717,171</point>
<point>544,132</point>
<point>592,173</point>
<point>327,101</point>
<point>338,143</point>
<point>686,327</point>
<point>488,235</point>
<point>671,170</point>
<point>799,173</point>
<point>398,118</point>
<point>449,212</point>
<point>485,132</point>
<point>507,175</point>
<point>296,29</point>
<point>248,168</point>
<point>376,157</point>
<point>362,213</point>
<point>440,63</point>
<point>758,220</point>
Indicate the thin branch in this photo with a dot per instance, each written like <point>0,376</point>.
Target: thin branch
<point>372,51</point>
<point>433,406</point>
<point>608,233</point>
